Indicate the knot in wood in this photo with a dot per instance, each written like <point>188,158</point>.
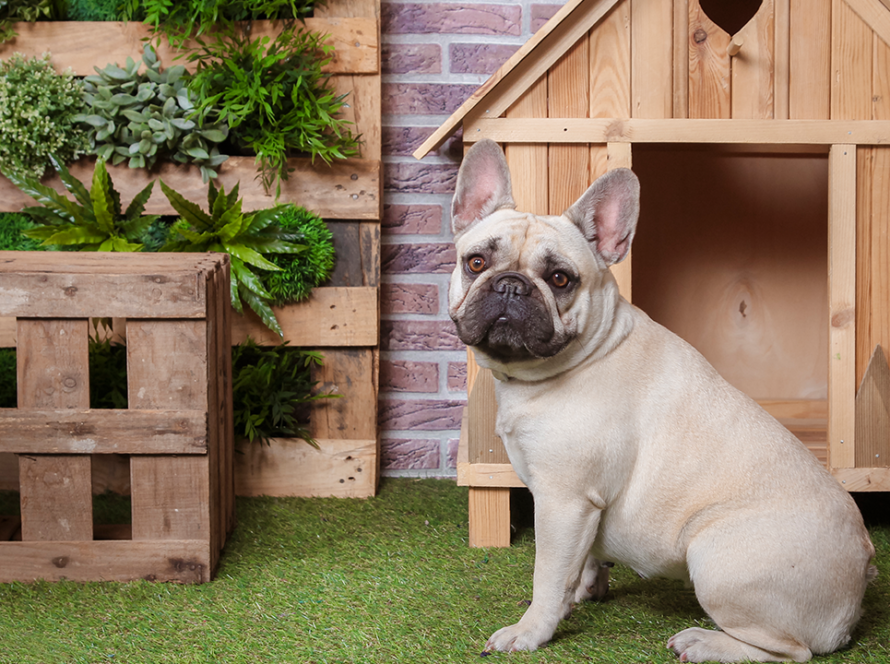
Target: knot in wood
<point>700,36</point>
<point>71,291</point>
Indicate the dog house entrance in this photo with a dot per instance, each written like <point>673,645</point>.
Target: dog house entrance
<point>731,253</point>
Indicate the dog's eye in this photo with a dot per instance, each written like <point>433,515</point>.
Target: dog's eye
<point>476,264</point>
<point>559,279</point>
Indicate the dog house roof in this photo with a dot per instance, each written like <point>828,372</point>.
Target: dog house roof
<point>799,72</point>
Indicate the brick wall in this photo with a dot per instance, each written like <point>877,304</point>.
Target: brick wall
<point>435,54</point>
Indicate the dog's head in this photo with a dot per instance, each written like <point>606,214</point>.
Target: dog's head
<point>527,288</point>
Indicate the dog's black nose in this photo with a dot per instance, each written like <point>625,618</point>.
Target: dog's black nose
<point>512,283</point>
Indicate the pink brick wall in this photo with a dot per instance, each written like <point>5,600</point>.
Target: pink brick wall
<point>435,54</point>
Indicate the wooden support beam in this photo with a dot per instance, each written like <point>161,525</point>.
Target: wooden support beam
<point>873,414</point>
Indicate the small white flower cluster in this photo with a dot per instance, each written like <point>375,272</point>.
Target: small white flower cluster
<point>37,105</point>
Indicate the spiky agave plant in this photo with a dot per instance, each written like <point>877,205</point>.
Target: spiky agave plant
<point>93,221</point>
<point>245,237</point>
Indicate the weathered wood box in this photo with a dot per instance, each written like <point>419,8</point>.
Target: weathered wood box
<point>177,429</point>
<point>340,319</point>
<point>763,234</point>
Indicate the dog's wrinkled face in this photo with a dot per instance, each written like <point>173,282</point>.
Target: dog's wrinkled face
<point>526,286</point>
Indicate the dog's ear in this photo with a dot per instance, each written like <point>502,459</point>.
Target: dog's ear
<point>483,186</point>
<point>607,214</point>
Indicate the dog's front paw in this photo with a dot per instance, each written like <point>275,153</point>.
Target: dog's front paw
<point>514,638</point>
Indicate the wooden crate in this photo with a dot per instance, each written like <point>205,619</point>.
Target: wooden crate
<point>659,87</point>
<point>177,429</point>
<point>340,319</point>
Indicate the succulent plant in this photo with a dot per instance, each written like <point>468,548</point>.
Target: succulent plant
<point>140,117</point>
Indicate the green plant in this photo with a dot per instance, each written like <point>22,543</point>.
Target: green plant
<point>8,382</point>
<point>12,11</point>
<point>244,236</point>
<point>108,374</point>
<point>37,109</point>
<point>141,117</point>
<point>301,273</point>
<point>184,18</point>
<point>272,388</point>
<point>12,237</point>
<point>91,222</point>
<point>93,10</point>
<point>274,97</point>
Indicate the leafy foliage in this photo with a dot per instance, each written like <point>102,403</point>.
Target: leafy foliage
<point>272,388</point>
<point>8,378</point>
<point>141,117</point>
<point>37,110</point>
<point>108,374</point>
<point>246,237</point>
<point>184,18</point>
<point>300,274</point>
<point>12,11</point>
<point>12,237</point>
<point>93,221</point>
<point>274,97</point>
<point>93,10</point>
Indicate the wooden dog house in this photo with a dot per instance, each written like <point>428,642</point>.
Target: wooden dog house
<point>764,236</point>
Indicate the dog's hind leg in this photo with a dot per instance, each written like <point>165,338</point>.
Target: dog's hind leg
<point>594,583</point>
<point>707,645</point>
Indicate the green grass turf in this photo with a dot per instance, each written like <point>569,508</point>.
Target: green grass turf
<point>389,579</point>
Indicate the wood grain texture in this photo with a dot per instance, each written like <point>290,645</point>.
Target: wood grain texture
<point>753,67</point>
<point>851,64</point>
<point>681,58</point>
<point>782,59</point>
<point>842,305</point>
<point>485,446</point>
<point>652,65</point>
<point>347,189</point>
<point>528,163</point>
<point>873,414</point>
<point>489,517</point>
<point>863,479</point>
<point>609,68</point>
<point>709,71</point>
<point>351,372</point>
<point>620,156</point>
<point>83,45</point>
<point>810,60</point>
<point>342,468</point>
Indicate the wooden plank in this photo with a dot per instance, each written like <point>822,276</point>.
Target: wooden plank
<point>810,60</point>
<point>223,407</point>
<point>331,316</point>
<point>681,34</point>
<point>7,332</point>
<point>53,372</point>
<point>29,431</point>
<point>802,409</point>
<point>873,414</point>
<point>620,156</point>
<point>609,68</point>
<point>353,373</point>
<point>179,561</point>
<point>347,189</point>
<point>782,58</point>
<point>863,479</point>
<point>753,67</point>
<point>520,72</point>
<point>528,163</point>
<point>82,45</point>
<point>167,369</point>
<point>569,165</point>
<point>709,71</point>
<point>877,18</point>
<point>842,305</point>
<point>485,446</point>
<point>652,67</point>
<point>487,475</point>
<point>851,64</point>
<point>489,517</point>
<point>343,468</point>
<point>617,130</point>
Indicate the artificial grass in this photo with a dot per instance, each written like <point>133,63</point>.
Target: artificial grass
<point>389,579</point>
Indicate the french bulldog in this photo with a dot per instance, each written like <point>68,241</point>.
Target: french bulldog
<point>635,449</point>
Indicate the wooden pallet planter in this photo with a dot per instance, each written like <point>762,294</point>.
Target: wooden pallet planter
<point>177,430</point>
<point>340,319</point>
<point>793,112</point>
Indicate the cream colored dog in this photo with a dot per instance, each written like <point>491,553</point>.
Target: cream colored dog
<point>635,449</point>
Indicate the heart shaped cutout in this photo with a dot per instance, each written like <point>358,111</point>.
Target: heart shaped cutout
<point>730,15</point>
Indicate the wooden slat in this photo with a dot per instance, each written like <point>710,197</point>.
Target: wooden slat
<point>351,372</point>
<point>347,189</point>
<point>489,517</point>
<point>709,72</point>
<point>877,18</point>
<point>485,446</point>
<point>528,163</point>
<point>681,58</point>
<point>84,45</point>
<point>26,431</point>
<point>801,409</point>
<point>810,60</point>
<point>873,414</point>
<point>331,316</point>
<point>569,165</point>
<point>609,68</point>
<point>851,64</point>
<point>167,369</point>
<point>863,479</point>
<point>620,156</point>
<point>782,58</point>
<point>344,468</point>
<point>652,67</point>
<point>511,81</point>
<point>180,561</point>
<point>52,372</point>
<point>607,130</point>
<point>753,67</point>
<point>842,305</point>
<point>487,475</point>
